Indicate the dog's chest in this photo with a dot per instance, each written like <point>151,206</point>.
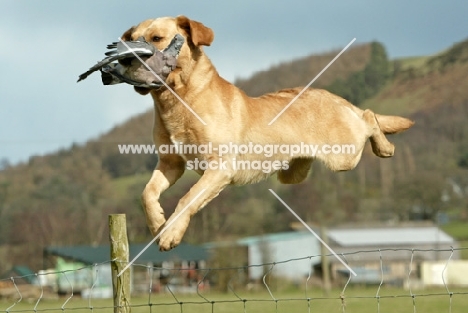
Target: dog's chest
<point>188,148</point>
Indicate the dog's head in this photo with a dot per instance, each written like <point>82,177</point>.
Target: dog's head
<point>160,32</point>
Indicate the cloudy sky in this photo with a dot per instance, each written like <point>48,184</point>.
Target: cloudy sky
<point>45,45</point>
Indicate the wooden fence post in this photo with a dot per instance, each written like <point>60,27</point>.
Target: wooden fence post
<point>119,253</point>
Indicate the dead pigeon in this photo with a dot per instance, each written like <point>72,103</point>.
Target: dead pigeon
<point>134,72</point>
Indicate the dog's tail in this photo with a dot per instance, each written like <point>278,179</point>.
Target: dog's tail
<point>390,124</point>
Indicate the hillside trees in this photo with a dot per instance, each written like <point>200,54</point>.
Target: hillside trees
<point>463,158</point>
<point>364,84</point>
<point>301,71</point>
<point>53,200</point>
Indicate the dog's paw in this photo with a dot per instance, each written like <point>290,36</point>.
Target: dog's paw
<point>172,236</point>
<point>168,242</point>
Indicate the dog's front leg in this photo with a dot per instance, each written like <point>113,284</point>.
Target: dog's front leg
<point>169,169</point>
<point>208,187</point>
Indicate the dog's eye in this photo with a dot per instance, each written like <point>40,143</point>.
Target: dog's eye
<point>156,39</point>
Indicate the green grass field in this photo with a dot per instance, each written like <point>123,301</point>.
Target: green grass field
<point>356,299</point>
<point>459,231</point>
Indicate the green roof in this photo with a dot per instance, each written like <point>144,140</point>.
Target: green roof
<point>20,271</point>
<point>101,254</point>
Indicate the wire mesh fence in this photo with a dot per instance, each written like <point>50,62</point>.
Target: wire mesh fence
<point>423,287</point>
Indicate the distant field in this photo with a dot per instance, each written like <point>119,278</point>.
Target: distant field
<point>121,185</point>
<point>356,299</point>
<point>459,231</point>
<point>414,62</point>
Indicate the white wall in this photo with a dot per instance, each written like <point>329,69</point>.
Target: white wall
<point>284,250</point>
<point>456,273</point>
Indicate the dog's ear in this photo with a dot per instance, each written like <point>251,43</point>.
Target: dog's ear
<point>127,36</point>
<point>198,33</point>
<point>142,91</point>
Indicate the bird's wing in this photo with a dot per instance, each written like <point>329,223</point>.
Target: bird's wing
<point>121,51</point>
<point>173,49</point>
<point>128,48</point>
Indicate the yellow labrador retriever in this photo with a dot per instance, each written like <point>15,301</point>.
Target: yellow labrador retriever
<point>236,139</point>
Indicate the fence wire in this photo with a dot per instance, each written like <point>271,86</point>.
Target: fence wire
<point>266,296</point>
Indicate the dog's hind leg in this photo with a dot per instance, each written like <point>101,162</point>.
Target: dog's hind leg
<point>298,170</point>
<point>380,145</point>
<point>167,172</point>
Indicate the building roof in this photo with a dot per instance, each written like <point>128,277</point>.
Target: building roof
<point>100,254</point>
<point>389,236</point>
<point>360,237</point>
<point>265,238</point>
<point>22,272</point>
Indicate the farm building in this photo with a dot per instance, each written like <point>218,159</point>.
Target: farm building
<point>24,282</point>
<point>24,274</point>
<point>83,267</point>
<point>373,253</point>
<point>389,253</point>
<point>280,248</point>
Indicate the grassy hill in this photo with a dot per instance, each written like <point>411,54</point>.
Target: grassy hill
<point>301,71</point>
<point>64,198</point>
